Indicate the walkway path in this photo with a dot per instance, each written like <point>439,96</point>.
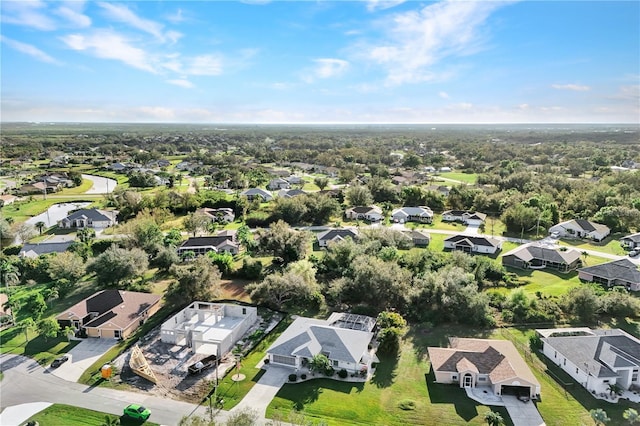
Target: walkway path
<point>101,185</point>
<point>522,413</point>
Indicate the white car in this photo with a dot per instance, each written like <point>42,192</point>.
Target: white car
<point>555,235</point>
<point>634,253</point>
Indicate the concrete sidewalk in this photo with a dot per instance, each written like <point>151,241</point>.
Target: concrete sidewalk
<point>522,413</point>
<point>18,414</point>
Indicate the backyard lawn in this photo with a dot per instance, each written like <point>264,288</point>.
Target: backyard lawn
<point>470,178</point>
<point>66,415</point>
<point>609,245</point>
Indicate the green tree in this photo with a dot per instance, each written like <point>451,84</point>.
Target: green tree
<point>392,327</point>
<point>40,225</point>
<point>224,261</point>
<point>321,182</point>
<point>358,195</point>
<point>9,272</point>
<point>173,238</point>
<point>26,325</point>
<point>34,306</point>
<point>284,242</point>
<point>198,280</point>
<point>493,418</point>
<point>86,235</point>
<point>48,327</point>
<point>583,302</point>
<point>319,364</point>
<point>66,265</point>
<point>631,416</point>
<point>599,417</point>
<point>280,288</point>
<point>116,265</point>
<point>195,222</point>
<point>166,258</point>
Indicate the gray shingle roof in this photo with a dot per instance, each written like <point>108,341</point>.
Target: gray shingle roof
<point>633,237</point>
<point>44,248</point>
<point>622,269</point>
<point>596,354</point>
<point>529,252</point>
<point>333,233</point>
<point>93,214</point>
<point>476,241</point>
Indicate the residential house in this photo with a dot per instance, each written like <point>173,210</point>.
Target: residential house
<point>7,199</point>
<point>400,180</point>
<point>290,193</point>
<point>581,228</point>
<point>209,328</point>
<point>89,218</point>
<point>412,214</point>
<point>620,272</point>
<point>343,338</point>
<point>630,241</point>
<point>369,213</point>
<point>464,216</point>
<point>34,250</point>
<point>202,245</point>
<point>534,256</point>
<point>294,180</point>
<point>440,189</point>
<point>33,188</point>
<point>335,235</point>
<point>445,169</point>
<point>473,244</point>
<point>277,184</point>
<point>119,167</point>
<point>596,359</point>
<point>257,193</point>
<point>222,215</point>
<point>470,363</point>
<point>110,314</point>
<point>419,238</point>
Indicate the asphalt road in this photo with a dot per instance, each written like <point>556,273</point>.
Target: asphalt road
<point>26,381</point>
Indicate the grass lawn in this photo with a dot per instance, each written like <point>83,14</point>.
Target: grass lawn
<point>447,226</point>
<point>233,392</point>
<point>66,415</point>
<point>80,189</point>
<point>23,210</point>
<point>470,178</point>
<point>609,245</point>
<point>403,379</point>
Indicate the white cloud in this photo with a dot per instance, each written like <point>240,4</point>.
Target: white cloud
<point>204,65</point>
<point>416,41</point>
<point>181,82</point>
<point>573,87</point>
<point>121,13</point>
<point>443,95</point>
<point>29,49</point>
<point>28,14</point>
<point>108,44</point>
<point>373,5</point>
<point>177,17</point>
<point>326,68</point>
<point>72,12</point>
<point>155,113</point>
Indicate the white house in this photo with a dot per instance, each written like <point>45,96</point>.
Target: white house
<point>469,363</point>
<point>464,216</point>
<point>290,193</point>
<point>279,183</point>
<point>582,229</point>
<point>621,272</point>
<point>344,339</point>
<point>594,358</point>
<point>209,328</point>
<point>335,235</point>
<point>89,218</point>
<point>419,238</point>
<point>472,244</point>
<point>224,214</point>
<point>412,214</point>
<point>260,193</point>
<point>370,213</point>
<point>203,245</point>
<point>631,241</point>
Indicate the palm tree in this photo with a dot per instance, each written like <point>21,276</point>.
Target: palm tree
<point>599,417</point>
<point>26,325</point>
<point>9,273</point>
<point>40,226</point>
<point>614,389</point>
<point>493,419</point>
<point>631,415</point>
<point>69,332</point>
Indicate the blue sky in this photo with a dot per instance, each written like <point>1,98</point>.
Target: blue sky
<point>321,62</point>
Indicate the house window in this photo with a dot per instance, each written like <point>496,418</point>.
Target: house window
<point>335,363</point>
<point>454,377</point>
<point>117,334</point>
<point>605,381</point>
<point>576,370</point>
<point>244,311</point>
<point>555,354</point>
<point>565,362</point>
<point>482,379</point>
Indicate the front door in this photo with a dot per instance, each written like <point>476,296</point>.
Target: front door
<point>467,381</point>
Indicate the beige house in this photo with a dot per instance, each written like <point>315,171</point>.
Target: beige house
<point>110,314</point>
<point>471,363</point>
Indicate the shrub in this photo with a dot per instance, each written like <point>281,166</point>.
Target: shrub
<point>343,374</point>
<point>303,376</point>
<point>407,404</point>
<point>329,372</point>
<point>267,361</point>
<point>293,377</point>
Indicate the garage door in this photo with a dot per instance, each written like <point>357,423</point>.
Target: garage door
<point>516,390</point>
<point>281,359</point>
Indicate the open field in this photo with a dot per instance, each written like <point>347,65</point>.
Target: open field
<point>470,178</point>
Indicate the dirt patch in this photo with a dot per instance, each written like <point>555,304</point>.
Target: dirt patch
<point>170,363</point>
<point>234,289</point>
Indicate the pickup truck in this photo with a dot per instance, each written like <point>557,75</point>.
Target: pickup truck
<point>202,365</point>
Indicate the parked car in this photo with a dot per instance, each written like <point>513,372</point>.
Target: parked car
<point>136,411</point>
<point>59,361</point>
<point>634,253</point>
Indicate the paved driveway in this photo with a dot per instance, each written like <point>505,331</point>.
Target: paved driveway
<point>81,357</point>
<point>522,413</point>
<point>260,396</point>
